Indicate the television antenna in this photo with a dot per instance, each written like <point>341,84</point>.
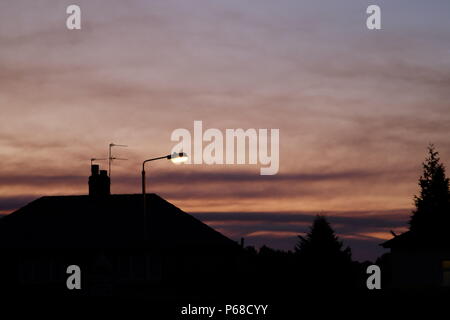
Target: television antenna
<point>111,157</point>
<point>97,159</point>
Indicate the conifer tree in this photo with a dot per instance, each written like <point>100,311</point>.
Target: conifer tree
<point>432,213</point>
<point>321,244</point>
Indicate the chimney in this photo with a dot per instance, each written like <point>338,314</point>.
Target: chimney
<point>99,183</point>
<point>94,169</point>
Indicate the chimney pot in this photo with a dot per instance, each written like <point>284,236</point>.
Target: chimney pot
<point>94,169</point>
<point>99,184</point>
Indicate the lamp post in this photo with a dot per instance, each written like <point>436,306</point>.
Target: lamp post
<point>175,158</point>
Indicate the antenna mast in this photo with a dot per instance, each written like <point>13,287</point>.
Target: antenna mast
<point>111,158</point>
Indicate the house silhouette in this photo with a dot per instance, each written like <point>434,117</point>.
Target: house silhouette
<point>419,260</point>
<point>105,236</point>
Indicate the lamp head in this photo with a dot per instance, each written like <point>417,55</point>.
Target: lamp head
<point>178,157</point>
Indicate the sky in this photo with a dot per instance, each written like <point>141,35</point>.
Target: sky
<point>356,108</point>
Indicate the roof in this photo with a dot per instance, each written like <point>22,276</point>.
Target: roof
<point>412,240</point>
<point>113,221</point>
<point>403,240</point>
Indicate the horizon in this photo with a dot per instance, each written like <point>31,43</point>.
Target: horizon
<point>235,224</point>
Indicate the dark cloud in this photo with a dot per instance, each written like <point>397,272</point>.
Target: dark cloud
<point>210,185</point>
<point>15,202</point>
<point>42,180</point>
<point>30,142</point>
<point>352,223</point>
<point>196,177</point>
<point>378,219</point>
<point>276,229</point>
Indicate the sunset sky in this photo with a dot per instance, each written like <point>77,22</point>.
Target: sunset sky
<point>355,108</point>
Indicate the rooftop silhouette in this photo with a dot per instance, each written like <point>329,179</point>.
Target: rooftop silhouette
<point>112,221</point>
<point>105,236</point>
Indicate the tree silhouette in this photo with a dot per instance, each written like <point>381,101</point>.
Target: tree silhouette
<point>432,214</point>
<point>322,258</point>
<point>321,243</point>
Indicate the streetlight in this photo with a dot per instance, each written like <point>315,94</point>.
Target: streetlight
<point>175,158</point>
